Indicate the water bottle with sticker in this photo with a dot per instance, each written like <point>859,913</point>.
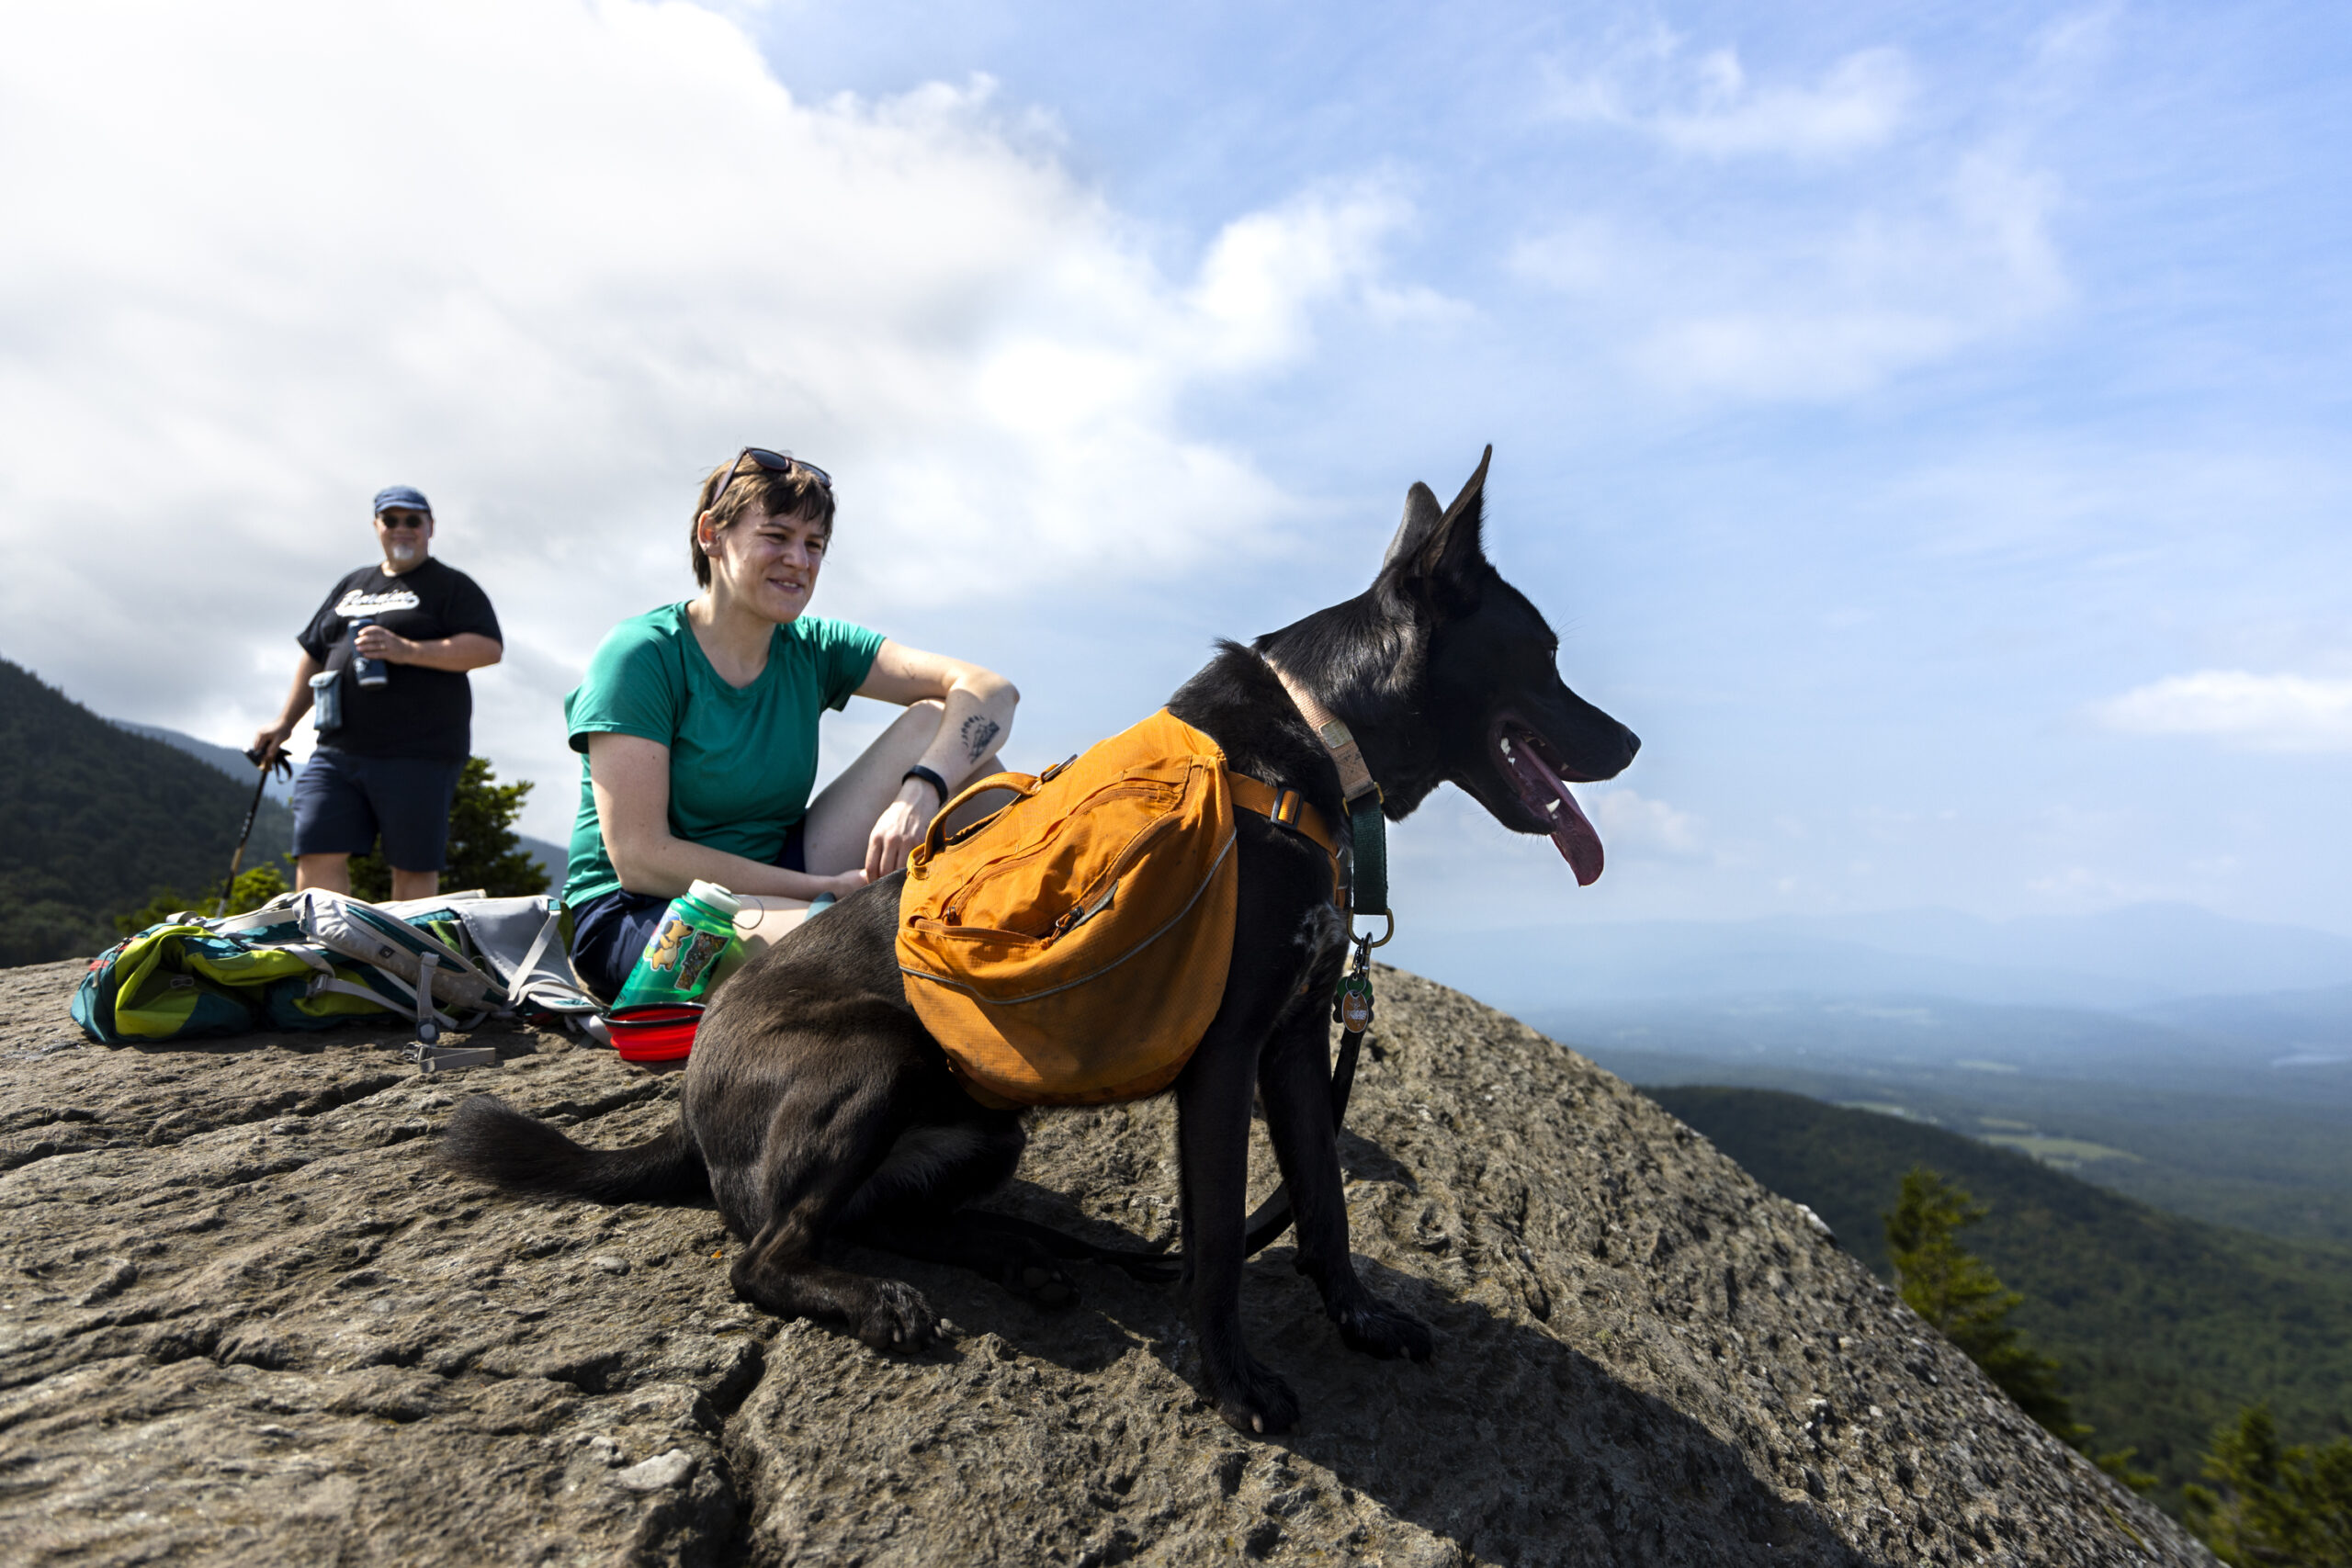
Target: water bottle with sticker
<point>682,956</point>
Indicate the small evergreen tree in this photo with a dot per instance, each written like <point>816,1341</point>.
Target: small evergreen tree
<point>2278,1504</point>
<point>484,849</point>
<point>1958,1293</point>
<point>2123,1464</point>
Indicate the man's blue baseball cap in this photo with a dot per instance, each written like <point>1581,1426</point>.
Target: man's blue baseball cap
<point>407,496</point>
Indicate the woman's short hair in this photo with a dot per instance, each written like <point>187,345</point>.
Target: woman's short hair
<point>758,492</point>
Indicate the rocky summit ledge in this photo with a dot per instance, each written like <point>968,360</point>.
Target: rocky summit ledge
<point>243,1319</point>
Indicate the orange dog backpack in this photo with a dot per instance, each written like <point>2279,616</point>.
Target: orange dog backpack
<point>1072,948</point>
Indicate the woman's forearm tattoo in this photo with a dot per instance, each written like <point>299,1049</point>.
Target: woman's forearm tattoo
<point>978,730</point>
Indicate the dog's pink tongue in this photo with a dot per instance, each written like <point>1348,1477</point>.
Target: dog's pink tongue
<point>1572,832</point>
<point>1547,793</point>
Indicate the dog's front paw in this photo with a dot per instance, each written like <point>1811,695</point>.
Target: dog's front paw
<point>1371,1325</point>
<point>898,1318</point>
<point>1257,1402</point>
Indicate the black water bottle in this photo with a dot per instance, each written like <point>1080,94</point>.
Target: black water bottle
<point>365,670</point>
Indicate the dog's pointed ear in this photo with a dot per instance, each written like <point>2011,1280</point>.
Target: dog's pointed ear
<point>1439,558</point>
<point>1420,524</point>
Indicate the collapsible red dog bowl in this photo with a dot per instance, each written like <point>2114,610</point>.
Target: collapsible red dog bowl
<point>662,1033</point>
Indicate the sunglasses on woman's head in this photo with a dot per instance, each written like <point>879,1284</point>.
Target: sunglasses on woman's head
<point>775,463</point>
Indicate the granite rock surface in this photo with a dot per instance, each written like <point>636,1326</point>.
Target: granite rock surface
<point>243,1319</point>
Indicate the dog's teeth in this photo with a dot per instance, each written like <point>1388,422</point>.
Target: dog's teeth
<point>1506,744</point>
<point>1554,806</point>
<point>1257,1423</point>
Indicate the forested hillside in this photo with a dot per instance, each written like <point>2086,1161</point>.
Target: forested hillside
<point>98,819</point>
<point>2166,1326</point>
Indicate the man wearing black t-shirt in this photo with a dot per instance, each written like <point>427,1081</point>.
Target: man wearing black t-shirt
<point>390,765</point>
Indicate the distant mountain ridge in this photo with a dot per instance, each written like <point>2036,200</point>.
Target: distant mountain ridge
<point>2306,1027</point>
<point>2237,1110</point>
<point>99,819</point>
<point>2242,1044</point>
<point>2178,948</point>
<point>228,758</point>
<point>2139,956</point>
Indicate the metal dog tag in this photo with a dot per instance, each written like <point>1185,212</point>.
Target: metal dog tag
<point>1354,1003</point>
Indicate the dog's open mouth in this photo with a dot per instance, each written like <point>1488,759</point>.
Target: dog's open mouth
<point>1536,773</point>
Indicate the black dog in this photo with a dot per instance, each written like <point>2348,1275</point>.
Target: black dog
<point>816,1107</point>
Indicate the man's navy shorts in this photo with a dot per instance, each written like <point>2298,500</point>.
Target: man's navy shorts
<point>342,801</point>
<point>610,931</point>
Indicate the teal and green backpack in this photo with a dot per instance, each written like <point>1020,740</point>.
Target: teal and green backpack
<point>313,959</point>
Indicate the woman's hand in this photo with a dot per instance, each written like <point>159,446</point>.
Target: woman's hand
<point>845,884</point>
<point>899,829</point>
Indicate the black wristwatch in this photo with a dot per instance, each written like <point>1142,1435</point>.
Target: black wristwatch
<point>934,779</point>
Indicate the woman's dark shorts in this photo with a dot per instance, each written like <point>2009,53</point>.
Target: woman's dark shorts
<point>610,931</point>
<point>341,801</point>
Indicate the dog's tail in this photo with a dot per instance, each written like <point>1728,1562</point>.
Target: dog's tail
<point>491,1141</point>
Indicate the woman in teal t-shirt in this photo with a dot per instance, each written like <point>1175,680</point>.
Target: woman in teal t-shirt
<point>698,725</point>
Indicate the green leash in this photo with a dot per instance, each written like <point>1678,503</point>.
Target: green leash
<point>1367,896</point>
<point>1368,882</point>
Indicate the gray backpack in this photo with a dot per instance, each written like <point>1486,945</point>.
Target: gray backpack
<point>452,954</point>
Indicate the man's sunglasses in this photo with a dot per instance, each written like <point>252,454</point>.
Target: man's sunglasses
<point>402,519</point>
<point>775,463</point>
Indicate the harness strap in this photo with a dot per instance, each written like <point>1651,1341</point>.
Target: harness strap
<point>1286,806</point>
<point>1289,809</point>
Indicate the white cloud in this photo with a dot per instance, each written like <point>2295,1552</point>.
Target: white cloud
<point>548,260</point>
<point>1705,102</point>
<point>1768,355</point>
<point>1815,284</point>
<point>1820,310</point>
<point>2074,42</point>
<point>2267,713</point>
<point>1265,269</point>
<point>1633,823</point>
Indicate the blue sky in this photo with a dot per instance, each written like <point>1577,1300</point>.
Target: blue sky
<point>1925,423</point>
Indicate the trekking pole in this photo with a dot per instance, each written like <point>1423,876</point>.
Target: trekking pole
<point>264,761</point>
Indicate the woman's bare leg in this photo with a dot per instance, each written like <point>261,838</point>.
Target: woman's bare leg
<point>759,925</point>
<point>841,820</point>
